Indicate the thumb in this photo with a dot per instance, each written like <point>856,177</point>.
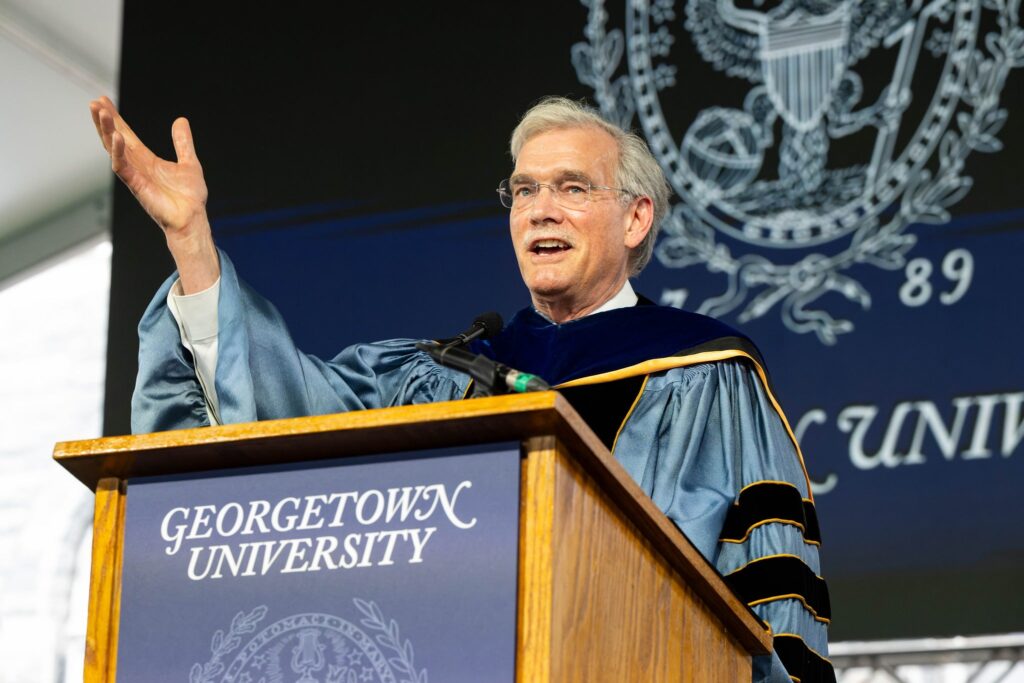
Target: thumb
<point>181,134</point>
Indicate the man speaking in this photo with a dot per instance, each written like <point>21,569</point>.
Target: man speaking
<point>682,400</point>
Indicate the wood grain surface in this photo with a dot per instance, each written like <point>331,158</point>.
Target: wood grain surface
<point>536,553</point>
<point>619,488</point>
<point>105,582</point>
<point>620,611</point>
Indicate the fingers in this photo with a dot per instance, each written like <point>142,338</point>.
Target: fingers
<point>120,165</point>
<point>107,118</point>
<point>107,127</point>
<point>103,117</point>
<point>97,120</point>
<point>181,134</point>
<point>118,160</point>
<point>103,113</point>
<point>94,109</point>
<point>98,108</point>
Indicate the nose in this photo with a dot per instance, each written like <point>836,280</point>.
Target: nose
<point>544,207</point>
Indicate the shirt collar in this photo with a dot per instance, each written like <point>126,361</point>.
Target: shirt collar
<point>623,299</point>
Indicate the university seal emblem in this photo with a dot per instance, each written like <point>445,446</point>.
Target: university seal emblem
<point>310,648</point>
<point>906,89</point>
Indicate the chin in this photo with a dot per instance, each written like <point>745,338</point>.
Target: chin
<point>548,288</point>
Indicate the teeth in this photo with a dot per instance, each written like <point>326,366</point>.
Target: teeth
<point>555,244</point>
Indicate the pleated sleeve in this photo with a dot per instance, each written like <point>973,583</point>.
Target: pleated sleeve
<point>260,373</point>
<point>709,447</point>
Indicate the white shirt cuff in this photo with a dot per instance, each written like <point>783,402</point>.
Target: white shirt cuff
<point>197,312</point>
<point>196,315</point>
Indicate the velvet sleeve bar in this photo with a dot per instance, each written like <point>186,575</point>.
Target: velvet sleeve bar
<point>700,437</point>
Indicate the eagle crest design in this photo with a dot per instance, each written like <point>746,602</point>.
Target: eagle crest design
<point>761,172</point>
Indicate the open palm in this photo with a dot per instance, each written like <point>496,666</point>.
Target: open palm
<point>173,193</point>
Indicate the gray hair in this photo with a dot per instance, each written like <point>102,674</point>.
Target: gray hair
<point>637,172</point>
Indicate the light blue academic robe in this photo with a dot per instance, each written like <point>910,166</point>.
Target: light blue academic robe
<point>698,435</point>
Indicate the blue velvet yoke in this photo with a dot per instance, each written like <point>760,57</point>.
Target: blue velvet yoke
<point>607,342</point>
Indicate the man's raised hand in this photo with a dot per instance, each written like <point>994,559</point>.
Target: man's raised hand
<point>172,193</point>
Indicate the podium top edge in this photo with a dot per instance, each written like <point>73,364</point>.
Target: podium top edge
<point>449,423</point>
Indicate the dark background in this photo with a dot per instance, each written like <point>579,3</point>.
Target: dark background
<point>352,156</point>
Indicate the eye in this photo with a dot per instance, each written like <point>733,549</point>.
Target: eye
<point>523,190</point>
<point>572,187</point>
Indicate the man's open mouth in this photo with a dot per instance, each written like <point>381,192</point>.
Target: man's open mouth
<point>551,246</point>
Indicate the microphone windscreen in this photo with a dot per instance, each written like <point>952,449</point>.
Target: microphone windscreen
<point>491,322</point>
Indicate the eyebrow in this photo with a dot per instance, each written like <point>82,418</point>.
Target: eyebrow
<point>573,174</point>
<point>568,174</point>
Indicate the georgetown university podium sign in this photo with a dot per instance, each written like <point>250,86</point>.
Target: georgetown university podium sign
<point>494,539</point>
<point>387,569</point>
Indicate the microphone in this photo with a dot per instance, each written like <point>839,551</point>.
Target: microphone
<point>490,377</point>
<point>522,382</point>
<point>485,326</point>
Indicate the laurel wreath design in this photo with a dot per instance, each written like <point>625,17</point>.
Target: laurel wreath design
<point>389,637</point>
<point>223,644</point>
<point>796,288</point>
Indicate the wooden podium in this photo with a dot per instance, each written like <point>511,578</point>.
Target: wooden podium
<point>608,588</point>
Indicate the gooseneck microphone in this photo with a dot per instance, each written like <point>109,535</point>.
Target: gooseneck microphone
<point>485,326</point>
<point>490,377</point>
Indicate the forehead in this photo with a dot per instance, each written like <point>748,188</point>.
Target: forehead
<point>589,150</point>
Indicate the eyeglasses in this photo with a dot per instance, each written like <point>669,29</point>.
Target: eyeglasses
<point>571,194</point>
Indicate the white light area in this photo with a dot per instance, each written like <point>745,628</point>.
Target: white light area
<point>73,644</point>
<point>53,329</point>
<point>91,28</point>
<point>51,154</point>
<point>996,671</point>
<point>55,56</point>
<point>918,645</point>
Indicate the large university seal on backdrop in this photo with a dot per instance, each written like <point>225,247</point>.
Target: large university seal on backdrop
<point>761,200</point>
<point>310,648</point>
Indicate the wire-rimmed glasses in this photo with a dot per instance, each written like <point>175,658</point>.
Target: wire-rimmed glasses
<point>571,193</point>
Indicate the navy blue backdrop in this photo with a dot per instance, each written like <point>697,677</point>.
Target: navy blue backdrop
<point>846,192</point>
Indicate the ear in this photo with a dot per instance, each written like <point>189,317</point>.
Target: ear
<point>640,218</point>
